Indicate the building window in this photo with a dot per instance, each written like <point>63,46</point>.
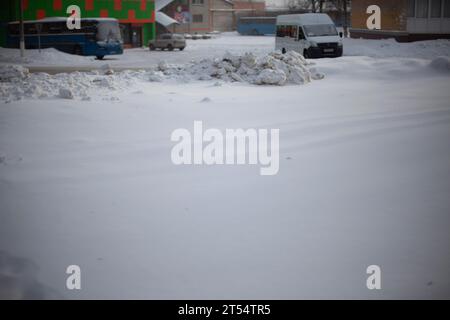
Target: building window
<point>197,2</point>
<point>422,9</point>
<point>197,18</point>
<point>436,6</point>
<point>446,8</point>
<point>411,8</point>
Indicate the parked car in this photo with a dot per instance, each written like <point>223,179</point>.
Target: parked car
<point>168,41</point>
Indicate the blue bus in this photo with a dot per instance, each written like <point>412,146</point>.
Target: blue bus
<point>256,26</point>
<point>97,37</point>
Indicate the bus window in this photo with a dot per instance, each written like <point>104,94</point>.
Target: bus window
<point>13,28</point>
<point>108,31</point>
<point>55,27</point>
<point>30,28</point>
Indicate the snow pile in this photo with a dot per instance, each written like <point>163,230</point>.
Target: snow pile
<point>272,69</point>
<point>18,83</point>
<point>11,72</point>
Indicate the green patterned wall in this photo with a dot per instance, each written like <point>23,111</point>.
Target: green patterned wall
<point>126,11</point>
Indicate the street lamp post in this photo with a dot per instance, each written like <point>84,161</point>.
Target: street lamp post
<point>22,36</point>
<point>39,29</point>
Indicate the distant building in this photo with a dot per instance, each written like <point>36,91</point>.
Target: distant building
<point>405,20</point>
<point>278,4</point>
<point>201,16</point>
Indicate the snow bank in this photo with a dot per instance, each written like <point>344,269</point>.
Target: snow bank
<point>48,56</point>
<point>270,69</point>
<point>11,72</point>
<point>441,64</point>
<point>390,48</point>
<point>18,83</point>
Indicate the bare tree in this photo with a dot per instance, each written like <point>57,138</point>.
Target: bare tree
<point>342,6</point>
<point>345,8</point>
<point>299,4</point>
<point>320,5</point>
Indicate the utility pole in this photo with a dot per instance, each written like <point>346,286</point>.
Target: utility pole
<point>345,19</point>
<point>22,35</point>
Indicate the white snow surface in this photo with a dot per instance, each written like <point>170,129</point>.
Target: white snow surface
<point>364,177</point>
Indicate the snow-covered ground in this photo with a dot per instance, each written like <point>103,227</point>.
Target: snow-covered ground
<point>232,42</point>
<point>364,180</point>
<point>142,57</point>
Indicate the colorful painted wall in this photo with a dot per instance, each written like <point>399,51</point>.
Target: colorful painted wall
<point>137,12</point>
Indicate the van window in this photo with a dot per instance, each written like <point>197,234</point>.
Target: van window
<point>301,34</point>
<point>320,30</point>
<point>294,31</point>
<point>280,31</point>
<point>287,31</point>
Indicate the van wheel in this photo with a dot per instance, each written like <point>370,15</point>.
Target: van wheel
<point>151,47</point>
<point>305,54</point>
<point>100,57</point>
<point>283,51</point>
<point>170,47</point>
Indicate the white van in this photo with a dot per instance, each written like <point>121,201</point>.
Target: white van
<point>312,34</point>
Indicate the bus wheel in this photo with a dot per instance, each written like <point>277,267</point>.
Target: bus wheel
<point>170,47</point>
<point>100,57</point>
<point>181,48</point>
<point>77,50</point>
<point>283,51</point>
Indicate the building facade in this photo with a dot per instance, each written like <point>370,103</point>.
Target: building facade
<point>404,20</point>
<point>201,16</point>
<point>136,17</point>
